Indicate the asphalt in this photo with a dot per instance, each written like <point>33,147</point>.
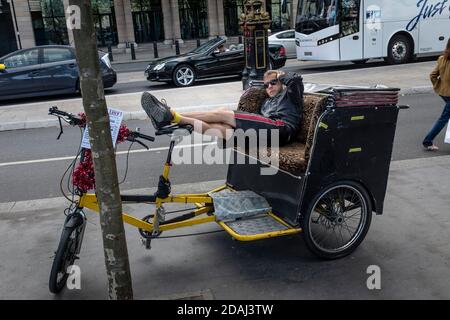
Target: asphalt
<point>410,243</point>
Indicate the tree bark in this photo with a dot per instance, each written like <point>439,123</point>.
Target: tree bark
<point>107,186</point>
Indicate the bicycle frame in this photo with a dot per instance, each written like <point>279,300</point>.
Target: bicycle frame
<point>201,215</point>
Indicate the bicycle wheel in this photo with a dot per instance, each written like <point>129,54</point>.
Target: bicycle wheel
<point>64,257</point>
<point>337,220</point>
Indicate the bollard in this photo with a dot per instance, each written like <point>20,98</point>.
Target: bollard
<point>133,53</point>
<point>240,39</point>
<point>198,43</point>
<point>110,54</point>
<point>155,49</point>
<point>177,47</point>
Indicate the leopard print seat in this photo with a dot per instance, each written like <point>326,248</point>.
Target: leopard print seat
<point>294,156</point>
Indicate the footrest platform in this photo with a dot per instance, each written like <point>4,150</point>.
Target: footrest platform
<point>258,227</point>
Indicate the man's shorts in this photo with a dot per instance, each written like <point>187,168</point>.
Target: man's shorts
<point>248,121</point>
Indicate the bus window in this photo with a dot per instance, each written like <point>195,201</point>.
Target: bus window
<point>349,13</point>
<point>315,15</point>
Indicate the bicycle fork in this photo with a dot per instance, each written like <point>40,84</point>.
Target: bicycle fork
<point>77,220</point>
<point>164,190</point>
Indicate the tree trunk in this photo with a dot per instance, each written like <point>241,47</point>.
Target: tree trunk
<point>107,186</point>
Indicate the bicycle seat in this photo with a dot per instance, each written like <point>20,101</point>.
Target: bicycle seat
<point>174,127</point>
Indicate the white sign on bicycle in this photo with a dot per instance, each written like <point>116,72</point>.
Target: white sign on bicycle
<point>115,119</point>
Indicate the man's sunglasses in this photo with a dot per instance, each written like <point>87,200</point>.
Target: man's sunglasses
<point>271,82</point>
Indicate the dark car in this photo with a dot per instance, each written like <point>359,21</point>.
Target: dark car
<point>207,61</point>
<point>45,70</point>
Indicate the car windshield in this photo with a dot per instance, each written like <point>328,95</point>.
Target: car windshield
<point>315,15</point>
<point>206,46</point>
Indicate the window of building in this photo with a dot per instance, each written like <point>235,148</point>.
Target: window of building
<point>147,20</point>
<point>104,22</point>
<point>8,31</point>
<point>193,19</point>
<point>49,22</point>
<point>232,10</point>
<point>280,20</point>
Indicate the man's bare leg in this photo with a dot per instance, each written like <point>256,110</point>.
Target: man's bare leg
<point>224,116</point>
<point>220,130</point>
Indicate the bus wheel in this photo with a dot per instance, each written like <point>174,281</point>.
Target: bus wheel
<point>399,50</point>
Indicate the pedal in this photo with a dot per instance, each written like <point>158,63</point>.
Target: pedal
<point>147,243</point>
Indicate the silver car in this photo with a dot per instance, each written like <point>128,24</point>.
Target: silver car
<point>287,39</point>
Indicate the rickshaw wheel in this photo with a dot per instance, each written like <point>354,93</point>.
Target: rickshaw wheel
<point>337,220</point>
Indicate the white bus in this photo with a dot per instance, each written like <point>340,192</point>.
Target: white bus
<point>357,30</point>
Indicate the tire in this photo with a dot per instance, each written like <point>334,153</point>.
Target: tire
<point>360,62</point>
<point>183,76</point>
<point>77,86</point>
<point>65,256</point>
<point>400,50</point>
<point>327,212</point>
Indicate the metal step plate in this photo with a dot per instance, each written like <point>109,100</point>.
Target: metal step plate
<point>256,225</point>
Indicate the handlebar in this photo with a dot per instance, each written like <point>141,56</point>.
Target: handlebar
<point>136,134</point>
<point>68,117</point>
<point>73,120</point>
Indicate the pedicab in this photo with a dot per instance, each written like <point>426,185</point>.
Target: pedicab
<point>328,181</point>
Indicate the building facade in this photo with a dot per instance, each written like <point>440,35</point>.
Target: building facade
<point>118,22</point>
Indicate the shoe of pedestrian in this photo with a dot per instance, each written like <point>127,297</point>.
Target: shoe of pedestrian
<point>158,112</point>
<point>431,148</point>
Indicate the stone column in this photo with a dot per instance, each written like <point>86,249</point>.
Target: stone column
<point>24,24</point>
<point>168,22</point>
<point>120,23</point>
<point>124,22</point>
<point>220,18</point>
<point>176,31</point>
<point>294,13</point>
<point>69,31</point>
<point>129,21</point>
<point>212,19</point>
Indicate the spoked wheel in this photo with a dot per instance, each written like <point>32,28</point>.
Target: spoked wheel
<point>184,76</point>
<point>65,257</point>
<point>337,220</point>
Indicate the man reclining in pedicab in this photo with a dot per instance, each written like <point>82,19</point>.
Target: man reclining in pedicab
<point>281,110</point>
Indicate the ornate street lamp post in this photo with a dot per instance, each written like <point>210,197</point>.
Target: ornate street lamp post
<point>255,22</point>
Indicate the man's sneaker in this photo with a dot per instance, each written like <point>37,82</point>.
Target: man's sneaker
<point>158,112</point>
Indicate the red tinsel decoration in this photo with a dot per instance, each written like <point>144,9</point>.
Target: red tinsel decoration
<point>83,176</point>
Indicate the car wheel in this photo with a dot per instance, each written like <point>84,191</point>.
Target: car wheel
<point>77,86</point>
<point>184,76</point>
<point>400,50</point>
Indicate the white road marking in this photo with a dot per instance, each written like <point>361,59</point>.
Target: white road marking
<point>5,164</point>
